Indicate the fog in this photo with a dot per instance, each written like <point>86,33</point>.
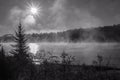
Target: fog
<point>83,52</point>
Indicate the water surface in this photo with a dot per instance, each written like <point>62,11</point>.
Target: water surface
<point>84,52</point>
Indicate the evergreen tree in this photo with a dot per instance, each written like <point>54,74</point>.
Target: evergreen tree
<point>22,62</point>
<point>3,65</point>
<point>2,54</point>
<point>20,50</point>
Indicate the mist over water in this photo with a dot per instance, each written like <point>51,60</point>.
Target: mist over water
<point>84,52</point>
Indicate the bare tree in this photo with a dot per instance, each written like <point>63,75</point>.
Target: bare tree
<point>99,61</point>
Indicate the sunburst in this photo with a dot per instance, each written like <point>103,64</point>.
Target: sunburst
<point>34,9</point>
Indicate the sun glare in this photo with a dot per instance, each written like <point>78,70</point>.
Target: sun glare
<point>34,9</point>
<point>33,47</point>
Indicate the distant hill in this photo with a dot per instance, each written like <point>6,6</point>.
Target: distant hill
<point>6,38</point>
<point>99,34</point>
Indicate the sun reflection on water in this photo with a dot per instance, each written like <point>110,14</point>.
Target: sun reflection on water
<point>34,47</point>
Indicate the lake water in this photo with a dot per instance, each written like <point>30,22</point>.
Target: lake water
<point>83,52</point>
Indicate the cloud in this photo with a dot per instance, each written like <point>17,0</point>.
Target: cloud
<point>5,30</point>
<point>15,15</point>
<point>61,17</point>
<point>58,6</point>
<point>79,18</point>
<point>58,14</point>
<point>29,20</point>
<point>57,17</point>
<point>64,16</point>
<point>21,15</point>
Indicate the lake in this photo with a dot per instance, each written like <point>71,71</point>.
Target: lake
<point>83,52</point>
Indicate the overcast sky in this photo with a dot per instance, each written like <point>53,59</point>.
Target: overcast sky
<point>57,15</point>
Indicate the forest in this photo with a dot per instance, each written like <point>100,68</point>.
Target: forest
<point>99,34</point>
<point>22,65</point>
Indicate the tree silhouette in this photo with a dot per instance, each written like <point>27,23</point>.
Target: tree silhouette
<point>66,65</point>
<point>20,50</point>
<point>2,54</point>
<point>3,65</point>
<point>99,61</point>
<point>22,60</point>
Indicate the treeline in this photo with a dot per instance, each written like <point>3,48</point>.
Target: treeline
<point>22,65</point>
<point>99,34</point>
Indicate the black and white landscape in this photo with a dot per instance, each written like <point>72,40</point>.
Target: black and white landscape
<point>59,40</point>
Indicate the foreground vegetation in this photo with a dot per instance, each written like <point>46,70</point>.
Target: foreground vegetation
<point>22,65</point>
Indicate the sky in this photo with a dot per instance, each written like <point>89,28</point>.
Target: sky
<point>57,15</point>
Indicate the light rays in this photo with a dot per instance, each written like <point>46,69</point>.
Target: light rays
<point>34,9</point>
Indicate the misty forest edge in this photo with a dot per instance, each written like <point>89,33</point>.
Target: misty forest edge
<point>99,34</point>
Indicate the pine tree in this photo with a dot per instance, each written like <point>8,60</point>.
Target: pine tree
<point>2,54</point>
<point>3,65</point>
<point>20,50</point>
<point>22,62</point>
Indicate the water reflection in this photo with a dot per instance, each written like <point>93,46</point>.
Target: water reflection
<point>34,47</point>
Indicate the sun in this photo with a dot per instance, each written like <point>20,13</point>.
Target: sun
<point>34,9</point>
